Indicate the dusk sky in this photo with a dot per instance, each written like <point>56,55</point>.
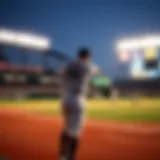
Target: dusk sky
<point>97,24</point>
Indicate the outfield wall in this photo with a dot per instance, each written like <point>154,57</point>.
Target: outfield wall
<point>138,87</point>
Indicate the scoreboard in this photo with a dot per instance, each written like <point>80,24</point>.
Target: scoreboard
<point>142,56</point>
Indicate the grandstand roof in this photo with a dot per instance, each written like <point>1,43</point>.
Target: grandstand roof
<point>35,65</point>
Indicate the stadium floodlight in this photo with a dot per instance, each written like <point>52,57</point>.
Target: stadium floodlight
<point>25,40</point>
<point>135,43</point>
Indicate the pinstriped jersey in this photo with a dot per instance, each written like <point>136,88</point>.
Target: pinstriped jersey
<point>76,77</point>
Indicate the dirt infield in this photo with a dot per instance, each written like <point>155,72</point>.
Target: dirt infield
<point>29,137</point>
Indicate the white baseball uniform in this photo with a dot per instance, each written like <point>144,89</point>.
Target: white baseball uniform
<point>76,77</point>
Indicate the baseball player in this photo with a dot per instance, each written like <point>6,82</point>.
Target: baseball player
<point>76,76</point>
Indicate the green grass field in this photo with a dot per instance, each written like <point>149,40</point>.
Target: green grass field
<point>143,110</point>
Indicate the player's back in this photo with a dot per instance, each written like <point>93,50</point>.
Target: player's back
<point>76,78</point>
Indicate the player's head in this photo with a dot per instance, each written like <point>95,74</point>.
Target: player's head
<point>84,54</point>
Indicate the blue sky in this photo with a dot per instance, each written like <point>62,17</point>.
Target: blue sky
<point>94,23</point>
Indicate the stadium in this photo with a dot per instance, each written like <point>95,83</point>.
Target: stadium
<point>118,126</point>
<point>41,79</point>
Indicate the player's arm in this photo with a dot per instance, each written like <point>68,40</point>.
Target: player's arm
<point>95,70</point>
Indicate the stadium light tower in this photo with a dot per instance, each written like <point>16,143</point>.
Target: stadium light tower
<point>134,43</point>
<point>24,40</point>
